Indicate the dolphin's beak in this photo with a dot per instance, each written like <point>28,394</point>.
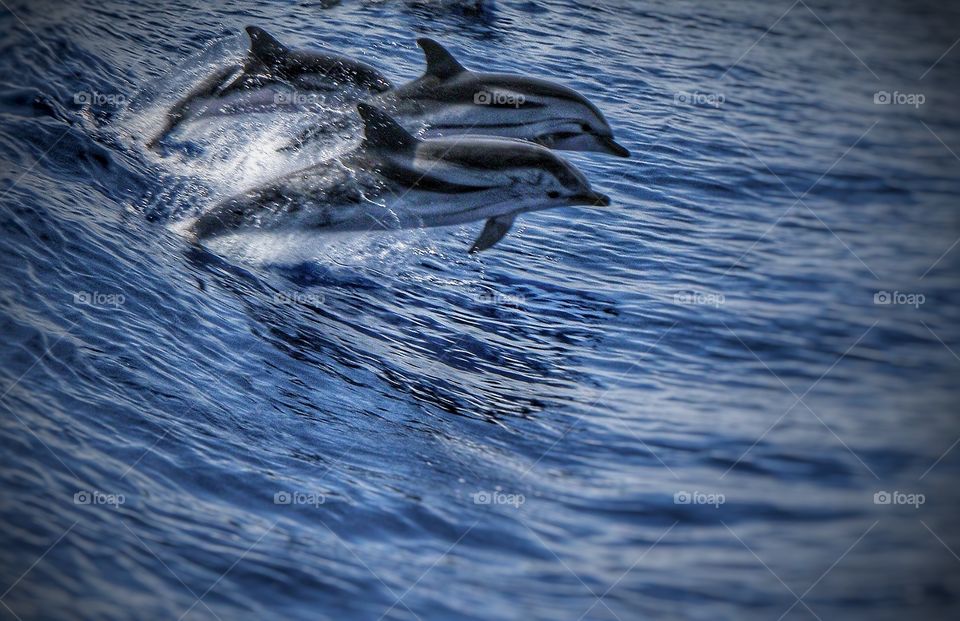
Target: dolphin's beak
<point>612,147</point>
<point>591,199</point>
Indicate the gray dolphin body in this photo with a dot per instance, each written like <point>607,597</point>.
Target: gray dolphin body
<point>252,86</point>
<point>449,100</point>
<point>394,180</point>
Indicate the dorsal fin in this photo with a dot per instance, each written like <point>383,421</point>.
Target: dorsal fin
<point>380,130</point>
<point>440,63</point>
<point>264,49</point>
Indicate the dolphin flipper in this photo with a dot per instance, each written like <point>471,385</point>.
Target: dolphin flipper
<point>493,231</point>
<point>440,63</point>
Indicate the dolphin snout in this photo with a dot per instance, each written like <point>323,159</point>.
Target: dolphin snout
<point>591,198</point>
<point>583,141</point>
<point>613,147</point>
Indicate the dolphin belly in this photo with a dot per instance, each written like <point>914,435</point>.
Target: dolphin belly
<point>282,209</point>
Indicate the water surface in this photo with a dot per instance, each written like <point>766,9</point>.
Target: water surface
<point>388,427</point>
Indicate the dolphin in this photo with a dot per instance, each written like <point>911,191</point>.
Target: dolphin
<point>250,87</point>
<point>450,99</point>
<point>394,180</point>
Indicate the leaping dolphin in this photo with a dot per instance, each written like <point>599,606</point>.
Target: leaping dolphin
<point>394,180</point>
<point>451,99</point>
<point>269,63</point>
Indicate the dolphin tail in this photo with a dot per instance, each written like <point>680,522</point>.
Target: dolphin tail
<point>493,231</point>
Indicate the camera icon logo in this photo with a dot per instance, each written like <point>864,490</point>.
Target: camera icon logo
<point>682,498</point>
<point>482,498</point>
<point>882,98</point>
<point>882,297</point>
<point>81,297</point>
<point>282,498</point>
<point>482,98</point>
<point>82,498</point>
<point>82,98</point>
<point>882,498</point>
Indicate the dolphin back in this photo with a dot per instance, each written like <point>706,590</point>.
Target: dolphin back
<point>313,70</point>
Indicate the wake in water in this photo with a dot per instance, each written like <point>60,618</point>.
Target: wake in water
<point>222,120</point>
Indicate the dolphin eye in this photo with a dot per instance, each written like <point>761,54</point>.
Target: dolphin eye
<point>553,194</point>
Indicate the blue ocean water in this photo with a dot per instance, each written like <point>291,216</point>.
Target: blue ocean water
<point>730,395</point>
